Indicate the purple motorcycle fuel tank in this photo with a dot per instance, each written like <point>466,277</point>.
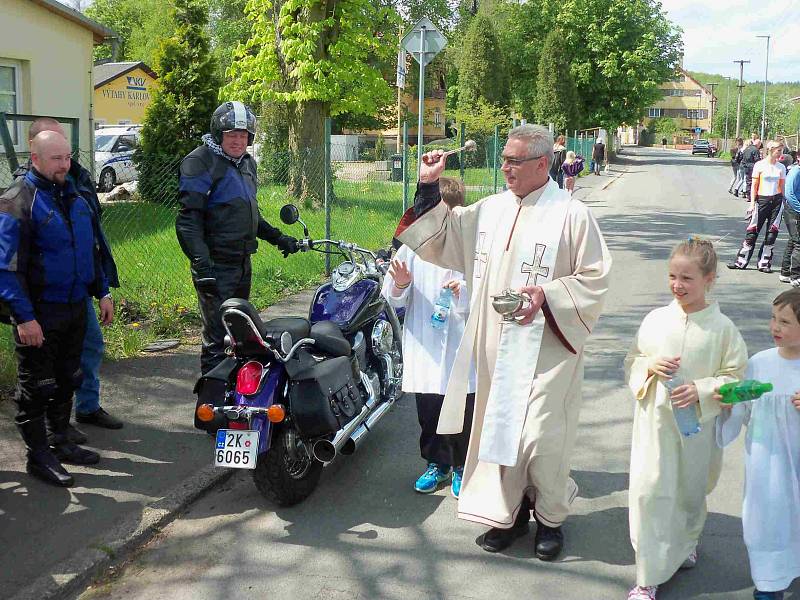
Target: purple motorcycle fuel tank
<point>349,309</point>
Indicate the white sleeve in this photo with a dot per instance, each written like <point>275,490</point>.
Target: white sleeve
<point>729,422</point>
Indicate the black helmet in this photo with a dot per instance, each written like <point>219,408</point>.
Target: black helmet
<point>230,116</point>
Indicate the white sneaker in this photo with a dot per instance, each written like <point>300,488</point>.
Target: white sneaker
<point>784,279</point>
<point>643,592</point>
<point>690,561</point>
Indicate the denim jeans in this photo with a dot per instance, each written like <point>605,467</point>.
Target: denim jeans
<point>791,255</point>
<point>87,397</point>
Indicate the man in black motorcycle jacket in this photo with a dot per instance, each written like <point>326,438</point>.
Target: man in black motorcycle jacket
<point>219,221</point>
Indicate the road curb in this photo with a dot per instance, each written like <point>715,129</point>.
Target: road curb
<point>71,576</point>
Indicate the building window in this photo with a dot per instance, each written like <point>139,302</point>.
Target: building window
<point>437,118</point>
<point>10,93</point>
<point>654,113</point>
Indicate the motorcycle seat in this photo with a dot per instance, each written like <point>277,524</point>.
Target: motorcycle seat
<point>328,337</point>
<point>297,327</point>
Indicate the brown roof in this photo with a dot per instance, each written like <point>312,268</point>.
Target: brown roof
<point>101,32</point>
<point>108,71</point>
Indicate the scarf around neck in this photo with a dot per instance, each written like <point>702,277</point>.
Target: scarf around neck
<point>217,149</point>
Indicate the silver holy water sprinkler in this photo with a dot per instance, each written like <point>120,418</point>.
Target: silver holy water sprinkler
<point>469,146</point>
<point>508,303</point>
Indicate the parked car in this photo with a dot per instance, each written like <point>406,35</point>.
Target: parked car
<point>113,155</point>
<point>703,147</point>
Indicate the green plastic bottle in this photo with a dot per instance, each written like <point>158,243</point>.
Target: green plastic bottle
<point>742,391</point>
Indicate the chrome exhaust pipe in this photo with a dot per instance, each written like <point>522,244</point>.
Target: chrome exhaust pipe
<point>326,450</point>
<point>357,438</point>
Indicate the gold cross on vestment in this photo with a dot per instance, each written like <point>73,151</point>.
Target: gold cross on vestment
<point>536,267</point>
<point>481,256</point>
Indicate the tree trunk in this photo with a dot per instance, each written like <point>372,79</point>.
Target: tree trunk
<point>307,151</point>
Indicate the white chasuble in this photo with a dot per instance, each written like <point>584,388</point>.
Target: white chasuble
<point>520,443</point>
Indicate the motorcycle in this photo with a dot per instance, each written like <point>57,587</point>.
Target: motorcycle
<point>294,393</point>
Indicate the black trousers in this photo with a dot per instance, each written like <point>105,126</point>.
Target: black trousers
<point>449,450</point>
<point>791,256</point>
<point>233,281</point>
<point>48,376</point>
<point>768,211</point>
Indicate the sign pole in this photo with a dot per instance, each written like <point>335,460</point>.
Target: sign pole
<point>421,97</point>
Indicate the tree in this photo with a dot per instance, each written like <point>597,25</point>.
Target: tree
<point>622,51</point>
<point>664,127</point>
<point>141,25</point>
<point>556,97</point>
<point>480,122</point>
<point>182,102</point>
<point>315,57</point>
<point>481,68</point>
<point>228,27</point>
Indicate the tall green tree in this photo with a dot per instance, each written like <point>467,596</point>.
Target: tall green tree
<point>481,67</point>
<point>315,57</point>
<point>622,51</point>
<point>182,103</point>
<point>228,27</point>
<point>141,25</point>
<point>556,97</point>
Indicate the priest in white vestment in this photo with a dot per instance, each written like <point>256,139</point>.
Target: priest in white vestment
<point>536,240</point>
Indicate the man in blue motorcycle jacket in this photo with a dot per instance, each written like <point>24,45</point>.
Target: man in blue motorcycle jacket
<point>219,221</point>
<point>49,264</point>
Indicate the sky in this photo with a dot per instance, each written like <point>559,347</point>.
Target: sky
<point>717,32</point>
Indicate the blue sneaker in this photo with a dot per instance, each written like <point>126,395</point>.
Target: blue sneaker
<point>455,486</point>
<point>431,478</point>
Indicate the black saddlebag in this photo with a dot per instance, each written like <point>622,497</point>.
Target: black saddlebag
<point>325,397</point>
<point>210,389</point>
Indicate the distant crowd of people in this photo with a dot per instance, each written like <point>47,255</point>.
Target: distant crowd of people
<point>568,165</point>
<point>767,176</point>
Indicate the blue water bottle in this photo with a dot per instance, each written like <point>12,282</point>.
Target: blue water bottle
<point>441,309</point>
<point>686,418</point>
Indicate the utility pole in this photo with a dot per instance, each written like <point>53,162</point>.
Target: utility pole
<point>739,96</point>
<point>764,101</point>
<point>713,106</point>
<point>727,106</point>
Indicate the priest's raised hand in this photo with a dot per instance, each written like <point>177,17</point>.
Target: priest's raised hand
<point>530,309</point>
<point>432,166</point>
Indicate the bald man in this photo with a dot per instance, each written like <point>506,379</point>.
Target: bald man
<point>87,396</point>
<point>49,265</point>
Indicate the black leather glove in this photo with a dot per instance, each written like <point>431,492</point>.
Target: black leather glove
<point>207,285</point>
<point>287,244</point>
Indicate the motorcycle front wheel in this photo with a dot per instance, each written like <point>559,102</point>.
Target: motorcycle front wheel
<point>287,474</point>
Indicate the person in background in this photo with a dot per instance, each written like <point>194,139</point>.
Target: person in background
<point>598,155</point>
<point>790,267</point>
<point>751,155</point>
<point>736,159</point>
<point>415,285</point>
<point>559,155</point>
<point>766,208</point>
<point>572,167</point>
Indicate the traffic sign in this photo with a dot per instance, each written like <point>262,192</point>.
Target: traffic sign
<point>424,41</point>
<point>698,130</point>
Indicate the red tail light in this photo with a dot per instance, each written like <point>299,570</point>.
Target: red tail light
<point>249,378</point>
<point>238,425</point>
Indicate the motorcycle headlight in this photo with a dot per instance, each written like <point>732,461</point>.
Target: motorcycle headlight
<point>382,337</point>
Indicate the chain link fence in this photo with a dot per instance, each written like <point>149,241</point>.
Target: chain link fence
<point>359,201</point>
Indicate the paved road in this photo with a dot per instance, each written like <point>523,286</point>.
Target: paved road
<point>365,534</point>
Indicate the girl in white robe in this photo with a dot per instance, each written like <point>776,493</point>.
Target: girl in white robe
<point>671,474</point>
<point>771,508</point>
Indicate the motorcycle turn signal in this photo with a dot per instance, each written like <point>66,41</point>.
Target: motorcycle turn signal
<point>205,412</point>
<point>276,413</point>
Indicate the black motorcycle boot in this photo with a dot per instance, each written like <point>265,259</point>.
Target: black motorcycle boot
<point>58,414</point>
<point>41,462</point>
<point>549,542</point>
<point>497,540</point>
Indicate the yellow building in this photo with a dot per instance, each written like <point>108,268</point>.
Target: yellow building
<point>688,102</point>
<point>46,65</point>
<point>122,92</point>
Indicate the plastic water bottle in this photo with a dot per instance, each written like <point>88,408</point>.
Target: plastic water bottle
<point>742,391</point>
<point>686,418</point>
<point>441,309</point>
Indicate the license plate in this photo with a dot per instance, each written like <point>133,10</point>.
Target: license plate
<point>236,448</point>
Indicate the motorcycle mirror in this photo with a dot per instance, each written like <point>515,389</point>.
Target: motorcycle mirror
<point>289,214</point>
<point>286,339</point>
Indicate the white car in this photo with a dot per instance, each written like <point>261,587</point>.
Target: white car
<point>113,155</point>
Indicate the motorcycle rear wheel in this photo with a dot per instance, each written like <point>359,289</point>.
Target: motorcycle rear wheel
<point>287,474</point>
